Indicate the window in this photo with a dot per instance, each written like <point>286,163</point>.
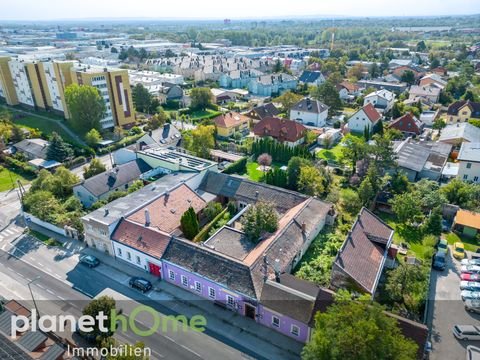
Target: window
<point>295,330</point>
<point>230,301</point>
<point>465,177</point>
<point>475,178</point>
<point>119,252</point>
<point>469,165</point>
<point>211,293</point>
<point>275,321</point>
<point>129,256</point>
<point>198,286</point>
<point>138,260</point>
<point>184,280</point>
<point>171,275</point>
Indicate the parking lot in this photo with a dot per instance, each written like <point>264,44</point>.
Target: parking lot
<point>446,309</point>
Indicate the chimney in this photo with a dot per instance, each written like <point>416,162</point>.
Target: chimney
<point>304,228</point>
<point>276,268</point>
<point>147,218</point>
<point>106,212</point>
<point>265,267</point>
<point>256,194</point>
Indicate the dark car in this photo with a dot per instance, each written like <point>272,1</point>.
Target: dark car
<point>439,261</point>
<point>140,283</point>
<point>89,260</point>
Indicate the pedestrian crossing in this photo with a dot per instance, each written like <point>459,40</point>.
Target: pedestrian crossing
<point>9,233</point>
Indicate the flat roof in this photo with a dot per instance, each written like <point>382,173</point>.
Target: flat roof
<point>177,157</point>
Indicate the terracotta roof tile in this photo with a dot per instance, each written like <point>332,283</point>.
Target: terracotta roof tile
<point>468,218</point>
<point>230,119</point>
<point>280,129</point>
<point>372,113</point>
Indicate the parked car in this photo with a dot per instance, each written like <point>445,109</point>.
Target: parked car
<point>470,285</point>
<point>471,262</point>
<point>442,246</point>
<point>470,277</point>
<point>472,305</point>
<point>458,250</point>
<point>473,353</point>
<point>89,260</point>
<point>470,295</point>
<point>466,332</point>
<point>470,269</point>
<point>439,260</point>
<point>140,283</point>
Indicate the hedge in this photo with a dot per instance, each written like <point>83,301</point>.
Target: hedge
<point>20,166</point>
<point>203,234</point>
<point>238,167</point>
<point>118,145</point>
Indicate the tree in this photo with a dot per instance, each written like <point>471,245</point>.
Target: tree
<point>288,99</point>
<point>93,137</point>
<point>104,304</point>
<point>141,98</point>
<point>328,94</point>
<point>433,225</point>
<point>201,98</point>
<point>189,223</point>
<point>356,71</point>
<point>374,70</point>
<point>94,168</point>
<point>406,207</point>
<point>352,330</point>
<point>469,95</point>
<point>421,46</point>
<point>264,160</point>
<point>212,210</point>
<point>293,171</point>
<point>58,149</point>
<point>157,120</point>
<point>258,219</point>
<point>17,134</point>
<point>310,181</point>
<point>409,77</point>
<point>354,149</point>
<point>350,201</point>
<point>202,140</point>
<point>85,106</point>
<point>366,192</point>
<point>277,67</point>
<point>136,185</point>
<point>114,50</point>
<point>434,63</point>
<point>42,204</point>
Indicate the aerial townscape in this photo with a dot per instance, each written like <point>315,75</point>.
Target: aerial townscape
<point>241,181</point>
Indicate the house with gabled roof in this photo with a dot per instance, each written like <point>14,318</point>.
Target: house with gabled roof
<point>310,112</point>
<point>285,131</point>
<point>263,111</point>
<point>364,119</point>
<point>408,124</point>
<point>231,123</point>
<point>313,78</point>
<point>462,111</point>
<point>360,261</point>
<point>382,100</point>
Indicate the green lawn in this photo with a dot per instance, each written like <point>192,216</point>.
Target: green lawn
<point>203,114</point>
<point>45,126</point>
<point>470,244</point>
<point>332,154</point>
<point>6,178</point>
<point>253,173</point>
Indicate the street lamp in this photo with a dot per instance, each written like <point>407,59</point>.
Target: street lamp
<point>31,293</point>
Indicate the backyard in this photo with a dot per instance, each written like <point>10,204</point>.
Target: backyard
<point>255,174</point>
<point>199,115</point>
<point>332,154</point>
<point>8,178</point>
<point>471,244</point>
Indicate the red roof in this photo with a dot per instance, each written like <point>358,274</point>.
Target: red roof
<point>142,238</point>
<point>372,113</point>
<point>280,129</point>
<point>407,123</point>
<point>230,119</point>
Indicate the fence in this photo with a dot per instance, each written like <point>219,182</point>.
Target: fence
<point>29,218</point>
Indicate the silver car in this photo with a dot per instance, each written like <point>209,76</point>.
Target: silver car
<point>470,285</point>
<point>470,295</point>
<point>472,306</point>
<point>470,262</point>
<point>466,332</point>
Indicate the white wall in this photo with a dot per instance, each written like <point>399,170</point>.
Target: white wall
<point>136,258</point>
<point>359,121</point>
<point>318,120</point>
<point>471,174</point>
<point>21,83</point>
<point>53,86</point>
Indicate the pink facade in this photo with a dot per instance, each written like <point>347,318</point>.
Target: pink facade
<point>286,325</point>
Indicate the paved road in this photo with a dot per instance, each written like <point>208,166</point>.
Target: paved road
<point>447,309</point>
<point>104,159</point>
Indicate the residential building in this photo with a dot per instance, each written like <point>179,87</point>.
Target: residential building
<point>310,112</point>
<point>274,84</point>
<point>469,162</point>
<point>462,111</point>
<point>285,131</point>
<point>383,85</point>
<point>408,124</point>
<point>260,112</point>
<point>166,136</point>
<point>395,63</point>
<point>430,93</point>
<point>347,90</point>
<point>231,123</point>
<point>330,137</point>
<point>401,70</point>
<point>360,261</point>
<point>456,134</point>
<point>7,87</point>
<point>169,92</point>
<point>429,117</point>
<point>32,148</point>
<point>238,79</point>
<point>467,223</point>
<point>433,80</point>
<point>364,119</point>
<point>100,186</point>
<point>312,78</point>
<point>382,100</point>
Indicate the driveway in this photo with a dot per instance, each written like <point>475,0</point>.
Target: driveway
<point>104,159</point>
<point>447,309</point>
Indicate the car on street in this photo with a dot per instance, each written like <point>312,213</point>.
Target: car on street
<point>439,260</point>
<point>470,295</point>
<point>470,277</point>
<point>89,260</point>
<point>473,352</point>
<point>470,262</point>
<point>470,269</point>
<point>470,285</point>
<point>472,306</point>
<point>442,246</point>
<point>140,283</point>
<point>466,332</point>
<point>458,250</point>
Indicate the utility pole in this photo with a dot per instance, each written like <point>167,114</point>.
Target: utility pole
<point>31,293</point>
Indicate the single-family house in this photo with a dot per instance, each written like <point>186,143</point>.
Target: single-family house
<point>383,85</point>
<point>169,92</point>
<point>165,136</point>
<point>360,261</point>
<point>396,63</point>
<point>433,80</point>
<point>462,111</point>
<point>32,148</point>
<point>312,78</point>
<point>456,134</point>
<point>119,178</point>
<point>469,162</point>
<point>347,90</point>
<point>401,70</point>
<point>467,223</point>
<point>408,124</point>
<point>260,112</point>
<point>427,92</point>
<point>268,85</point>
<point>329,137</point>
<point>231,123</point>
<point>440,71</point>
<point>382,100</point>
<point>364,119</point>
<point>310,112</point>
<point>285,131</point>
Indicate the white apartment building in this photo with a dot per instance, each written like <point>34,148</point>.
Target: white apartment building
<point>469,162</point>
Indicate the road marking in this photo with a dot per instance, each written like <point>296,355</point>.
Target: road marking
<point>50,291</point>
<point>8,231</point>
<point>9,268</point>
<point>39,263</point>
<point>21,275</point>
<point>61,298</point>
<point>4,246</point>
<point>169,338</point>
<point>40,286</point>
<point>31,258</point>
<point>1,237</point>
<point>28,279</point>
<point>188,349</point>
<point>57,276</point>
<point>157,354</point>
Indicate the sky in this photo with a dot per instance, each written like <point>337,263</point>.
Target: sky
<point>220,9</point>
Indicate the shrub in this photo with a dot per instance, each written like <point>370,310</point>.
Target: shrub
<point>238,167</point>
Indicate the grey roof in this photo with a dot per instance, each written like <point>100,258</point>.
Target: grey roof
<point>310,76</point>
<point>459,132</point>
<point>6,322</point>
<point>36,147</point>
<point>32,340</point>
<point>231,242</point>
<point>266,110</point>
<point>411,156</point>
<point>125,205</point>
<point>119,176</point>
<point>310,105</point>
<point>200,260</point>
<point>220,184</point>
<point>10,351</point>
<point>424,90</point>
<point>53,352</point>
<point>168,135</point>
<point>469,152</point>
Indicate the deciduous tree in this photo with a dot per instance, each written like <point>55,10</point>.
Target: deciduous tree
<point>86,107</point>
